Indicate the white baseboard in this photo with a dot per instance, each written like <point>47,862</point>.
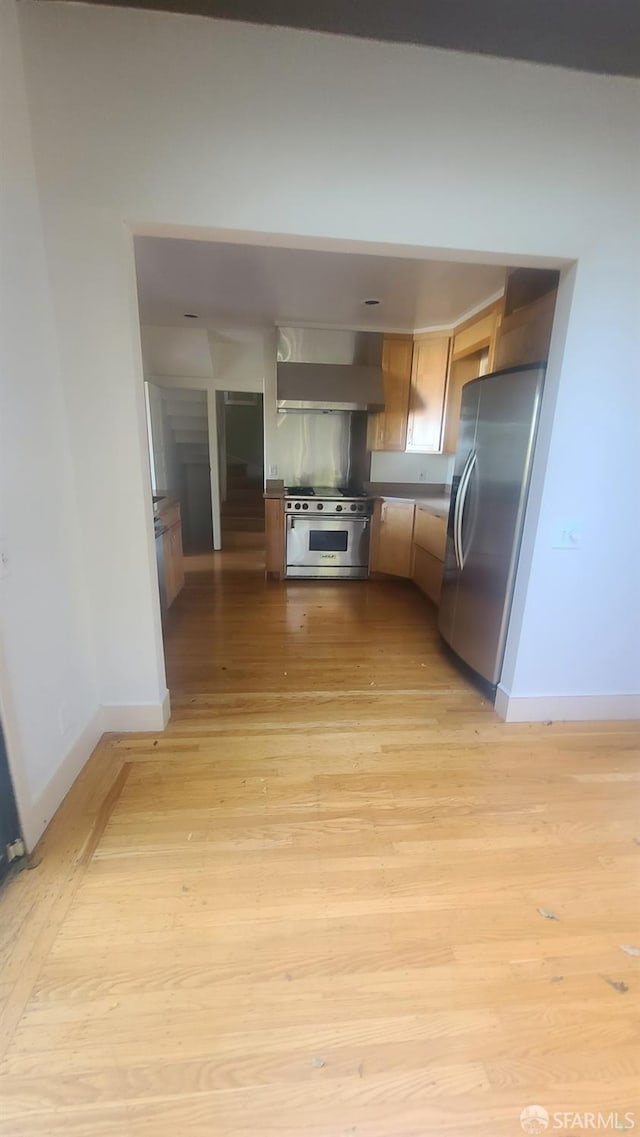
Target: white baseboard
<point>566,708</point>
<point>35,816</point>
<point>126,719</point>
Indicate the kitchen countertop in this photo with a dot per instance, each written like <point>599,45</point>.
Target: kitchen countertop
<point>435,498</point>
<point>159,508</point>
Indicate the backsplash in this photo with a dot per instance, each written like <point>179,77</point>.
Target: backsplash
<point>387,466</point>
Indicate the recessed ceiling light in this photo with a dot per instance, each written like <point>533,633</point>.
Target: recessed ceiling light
<point>371,303</point>
<point>190,316</point>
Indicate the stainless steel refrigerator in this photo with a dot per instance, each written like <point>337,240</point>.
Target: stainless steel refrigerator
<point>496,438</point>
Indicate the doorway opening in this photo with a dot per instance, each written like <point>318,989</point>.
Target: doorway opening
<point>181,464</point>
<point>241,468</point>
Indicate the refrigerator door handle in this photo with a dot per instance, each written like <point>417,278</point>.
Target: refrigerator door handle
<point>470,468</point>
<point>458,508</point>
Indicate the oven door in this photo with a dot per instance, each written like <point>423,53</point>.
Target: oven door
<point>328,546</point>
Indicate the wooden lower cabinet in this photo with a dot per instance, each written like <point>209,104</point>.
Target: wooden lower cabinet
<point>173,561</point>
<point>427,573</point>
<point>429,545</point>
<point>274,535</point>
<point>430,532</point>
<point>391,538</point>
<point>408,540</point>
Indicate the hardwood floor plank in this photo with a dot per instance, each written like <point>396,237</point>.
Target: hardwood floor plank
<point>313,905</point>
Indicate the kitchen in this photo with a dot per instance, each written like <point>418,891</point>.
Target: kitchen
<point>339,413</point>
<point>361,417</point>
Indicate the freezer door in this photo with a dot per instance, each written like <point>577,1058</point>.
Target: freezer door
<point>464,455</point>
<point>491,517</point>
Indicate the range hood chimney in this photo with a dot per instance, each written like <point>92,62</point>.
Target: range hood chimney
<point>329,371</point>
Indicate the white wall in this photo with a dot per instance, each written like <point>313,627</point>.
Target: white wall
<point>154,120</point>
<point>431,468</point>
<point>48,689</point>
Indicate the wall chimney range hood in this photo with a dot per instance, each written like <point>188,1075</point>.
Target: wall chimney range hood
<point>329,371</point>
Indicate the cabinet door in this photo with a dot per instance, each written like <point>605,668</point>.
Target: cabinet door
<point>427,573</point>
<point>274,535</point>
<point>460,372</point>
<point>524,336</point>
<point>177,557</point>
<point>426,401</point>
<point>393,536</point>
<point>388,431</point>
<point>430,532</point>
<point>173,562</point>
<point>169,574</point>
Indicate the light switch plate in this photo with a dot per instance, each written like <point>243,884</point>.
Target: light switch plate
<point>567,535</point>
<point>5,563</point>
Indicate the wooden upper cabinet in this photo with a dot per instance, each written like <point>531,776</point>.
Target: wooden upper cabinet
<point>524,334</point>
<point>388,430</point>
<point>472,354</point>
<point>426,398</point>
<point>478,334</point>
<point>461,371</point>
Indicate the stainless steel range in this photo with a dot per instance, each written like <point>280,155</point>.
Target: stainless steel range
<point>327,532</point>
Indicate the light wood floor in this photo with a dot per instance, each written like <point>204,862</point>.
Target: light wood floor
<point>312,906</point>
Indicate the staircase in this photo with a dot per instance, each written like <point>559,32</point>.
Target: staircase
<point>186,420</point>
<point>242,513</point>
<point>186,415</point>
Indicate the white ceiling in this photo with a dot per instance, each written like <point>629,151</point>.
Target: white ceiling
<point>227,284</point>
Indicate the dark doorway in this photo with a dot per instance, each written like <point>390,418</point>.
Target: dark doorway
<point>241,454</point>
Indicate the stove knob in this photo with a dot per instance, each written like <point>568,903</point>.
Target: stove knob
<point>338,509</point>
<point>320,505</point>
<point>353,506</point>
<point>361,507</point>
<point>297,505</point>
<point>305,505</point>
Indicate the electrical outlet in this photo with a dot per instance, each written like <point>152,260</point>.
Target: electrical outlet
<point>422,477</point>
<point>273,471</point>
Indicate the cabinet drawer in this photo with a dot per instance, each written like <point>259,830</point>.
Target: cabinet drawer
<point>430,532</point>
<point>427,573</point>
